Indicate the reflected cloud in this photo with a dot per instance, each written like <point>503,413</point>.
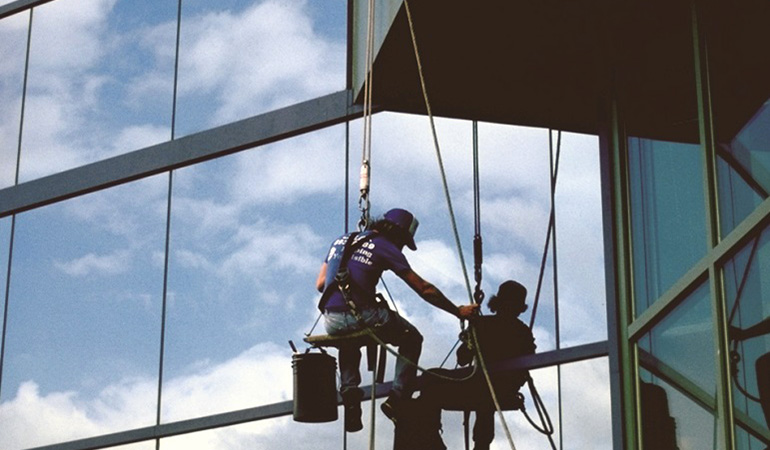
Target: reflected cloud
<point>91,264</point>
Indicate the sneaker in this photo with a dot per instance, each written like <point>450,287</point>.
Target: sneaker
<point>390,407</point>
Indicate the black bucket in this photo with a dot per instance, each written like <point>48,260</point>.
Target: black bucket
<point>315,387</point>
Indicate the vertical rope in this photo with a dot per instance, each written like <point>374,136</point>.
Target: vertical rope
<point>366,153</point>
<point>373,403</point>
<point>556,274</point>
<point>478,254</point>
<point>347,175</point>
<point>164,306</point>
<point>13,217</point>
<point>551,225</point>
<point>438,150</point>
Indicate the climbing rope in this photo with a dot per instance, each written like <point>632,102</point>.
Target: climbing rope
<point>366,154</point>
<point>480,358</point>
<point>478,254</point>
<point>438,149</point>
<point>549,232</point>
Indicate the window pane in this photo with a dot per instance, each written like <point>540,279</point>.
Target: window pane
<point>667,216</point>
<point>84,316</point>
<point>580,246</point>
<point>585,387</point>
<point>748,295</point>
<point>671,420</point>
<point>740,69</point>
<point>682,344</point>
<point>248,235</point>
<point>13,45</point>
<point>659,109</point>
<point>240,58</point>
<point>100,82</point>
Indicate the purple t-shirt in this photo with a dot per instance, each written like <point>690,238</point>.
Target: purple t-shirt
<point>376,255</point>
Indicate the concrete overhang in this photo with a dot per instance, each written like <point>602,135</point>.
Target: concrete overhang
<point>537,63</point>
<point>552,63</point>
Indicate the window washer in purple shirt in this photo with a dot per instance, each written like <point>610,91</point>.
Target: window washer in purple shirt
<point>377,249</point>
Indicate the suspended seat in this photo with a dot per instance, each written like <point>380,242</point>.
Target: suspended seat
<point>356,339</point>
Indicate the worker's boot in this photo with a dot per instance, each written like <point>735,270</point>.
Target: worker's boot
<point>390,407</point>
<point>351,399</point>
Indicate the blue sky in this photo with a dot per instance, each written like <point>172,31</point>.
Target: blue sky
<point>249,231</point>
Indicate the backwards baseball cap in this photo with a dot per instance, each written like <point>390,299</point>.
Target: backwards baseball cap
<point>406,222</point>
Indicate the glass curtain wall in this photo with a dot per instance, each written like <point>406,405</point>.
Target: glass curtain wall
<point>87,294</point>
<point>692,147</point>
<point>740,66</point>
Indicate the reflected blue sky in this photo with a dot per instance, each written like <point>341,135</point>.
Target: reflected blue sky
<point>248,231</point>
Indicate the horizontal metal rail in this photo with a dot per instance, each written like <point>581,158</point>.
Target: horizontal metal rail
<point>227,139</point>
<point>19,6</point>
<point>539,360</point>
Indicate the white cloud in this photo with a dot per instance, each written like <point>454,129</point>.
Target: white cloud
<point>263,247</point>
<point>521,218</point>
<point>266,57</point>
<point>134,137</point>
<point>291,170</point>
<point>263,375</point>
<point>91,264</point>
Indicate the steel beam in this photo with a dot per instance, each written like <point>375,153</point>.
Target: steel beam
<point>19,6</point>
<point>539,360</point>
<point>262,129</point>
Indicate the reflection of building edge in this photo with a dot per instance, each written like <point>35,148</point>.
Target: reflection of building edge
<point>658,427</point>
<point>693,392</point>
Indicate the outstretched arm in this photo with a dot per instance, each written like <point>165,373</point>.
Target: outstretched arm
<point>431,294</point>
<point>759,329</point>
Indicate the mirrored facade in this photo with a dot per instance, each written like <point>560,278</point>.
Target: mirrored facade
<point>173,172</point>
<point>691,219</point>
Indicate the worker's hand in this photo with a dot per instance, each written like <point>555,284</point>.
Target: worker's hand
<point>467,311</point>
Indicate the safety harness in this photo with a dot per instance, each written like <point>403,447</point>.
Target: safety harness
<point>342,280</point>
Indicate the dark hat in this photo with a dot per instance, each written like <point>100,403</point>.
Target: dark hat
<point>406,222</point>
<point>509,291</point>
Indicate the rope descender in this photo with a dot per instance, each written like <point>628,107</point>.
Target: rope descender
<point>363,199</point>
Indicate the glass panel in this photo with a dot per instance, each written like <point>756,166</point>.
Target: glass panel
<point>659,107</point>
<point>682,344</point>
<point>667,216</point>
<point>100,82</point>
<point>582,295</point>
<point>585,387</point>
<point>671,418</point>
<point>84,316</point>
<point>249,234</point>
<point>240,58</point>
<point>740,67</point>
<point>748,295</point>
<point>13,45</point>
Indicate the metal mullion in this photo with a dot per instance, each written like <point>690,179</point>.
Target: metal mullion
<point>678,381</point>
<point>670,299</point>
<point>276,125</point>
<point>732,243</point>
<point>705,119</point>
<point>622,276</point>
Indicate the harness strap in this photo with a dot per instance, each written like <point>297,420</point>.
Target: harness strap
<point>342,279</point>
